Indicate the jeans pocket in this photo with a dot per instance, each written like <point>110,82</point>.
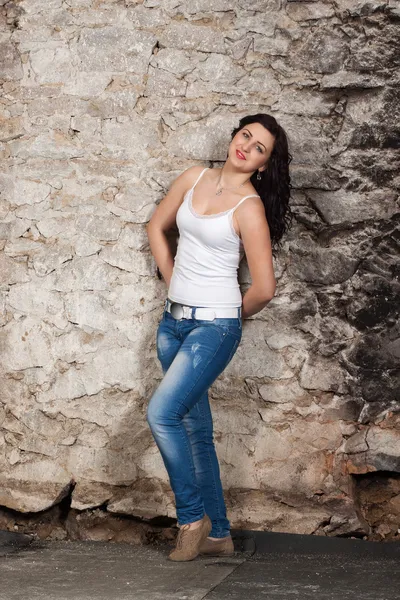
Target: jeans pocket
<point>233,329</point>
<point>225,327</point>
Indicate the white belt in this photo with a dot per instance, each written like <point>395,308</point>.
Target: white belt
<point>182,311</point>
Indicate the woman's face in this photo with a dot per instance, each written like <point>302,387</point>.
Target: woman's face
<point>251,147</point>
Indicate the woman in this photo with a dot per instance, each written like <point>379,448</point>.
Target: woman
<point>221,214</point>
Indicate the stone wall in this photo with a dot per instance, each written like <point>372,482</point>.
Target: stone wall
<point>103,104</point>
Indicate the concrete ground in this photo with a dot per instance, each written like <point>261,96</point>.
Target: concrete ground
<point>270,566</point>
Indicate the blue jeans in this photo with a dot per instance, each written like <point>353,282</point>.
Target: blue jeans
<point>192,353</point>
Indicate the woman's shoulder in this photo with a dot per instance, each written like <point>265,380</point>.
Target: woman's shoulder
<point>187,178</point>
<point>192,173</point>
<point>248,190</point>
<point>252,201</point>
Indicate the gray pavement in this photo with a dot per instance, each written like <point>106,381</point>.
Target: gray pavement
<point>266,565</point>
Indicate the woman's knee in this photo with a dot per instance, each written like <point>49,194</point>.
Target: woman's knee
<point>161,414</point>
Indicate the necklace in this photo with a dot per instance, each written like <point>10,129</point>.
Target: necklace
<point>219,191</point>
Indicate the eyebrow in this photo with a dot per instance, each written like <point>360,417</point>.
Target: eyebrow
<point>252,136</point>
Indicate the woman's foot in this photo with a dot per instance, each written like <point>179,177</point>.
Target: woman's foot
<point>217,546</point>
<point>190,538</point>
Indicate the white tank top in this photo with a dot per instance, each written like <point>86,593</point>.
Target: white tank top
<point>207,258</point>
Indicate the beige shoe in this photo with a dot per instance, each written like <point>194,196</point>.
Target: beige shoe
<point>189,540</point>
<point>222,547</point>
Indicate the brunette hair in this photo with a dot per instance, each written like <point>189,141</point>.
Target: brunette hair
<point>274,186</point>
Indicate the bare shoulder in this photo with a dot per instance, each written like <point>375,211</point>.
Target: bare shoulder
<point>188,177</point>
<point>164,216</point>
<point>253,206</point>
<point>185,180</point>
<point>251,219</point>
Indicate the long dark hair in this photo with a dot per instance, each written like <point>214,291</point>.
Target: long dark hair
<point>274,186</point>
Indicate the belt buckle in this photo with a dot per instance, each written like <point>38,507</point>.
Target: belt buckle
<point>176,310</point>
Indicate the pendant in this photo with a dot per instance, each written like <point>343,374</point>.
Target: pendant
<point>218,193</point>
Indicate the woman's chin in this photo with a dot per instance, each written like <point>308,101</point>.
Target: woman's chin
<point>236,163</point>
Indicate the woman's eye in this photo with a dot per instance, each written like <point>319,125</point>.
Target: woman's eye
<point>245,134</point>
<point>259,149</point>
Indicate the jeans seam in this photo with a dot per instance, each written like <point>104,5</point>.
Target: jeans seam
<point>235,346</point>
<point>183,434</point>
<point>193,470</point>
<point>212,470</point>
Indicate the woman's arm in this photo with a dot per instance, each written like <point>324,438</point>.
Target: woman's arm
<point>164,217</point>
<point>254,231</point>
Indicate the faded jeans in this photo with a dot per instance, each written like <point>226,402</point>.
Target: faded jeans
<point>192,354</point>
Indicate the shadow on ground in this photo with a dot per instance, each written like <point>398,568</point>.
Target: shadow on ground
<point>274,566</point>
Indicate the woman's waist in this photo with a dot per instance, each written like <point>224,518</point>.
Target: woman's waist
<point>193,294</point>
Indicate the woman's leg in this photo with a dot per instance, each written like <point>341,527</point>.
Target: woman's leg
<point>199,427</point>
<point>168,344</point>
<point>202,356</point>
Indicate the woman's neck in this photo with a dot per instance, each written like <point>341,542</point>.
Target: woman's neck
<point>231,177</point>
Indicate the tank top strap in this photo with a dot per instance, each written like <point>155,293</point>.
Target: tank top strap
<point>203,171</point>
<point>243,199</point>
